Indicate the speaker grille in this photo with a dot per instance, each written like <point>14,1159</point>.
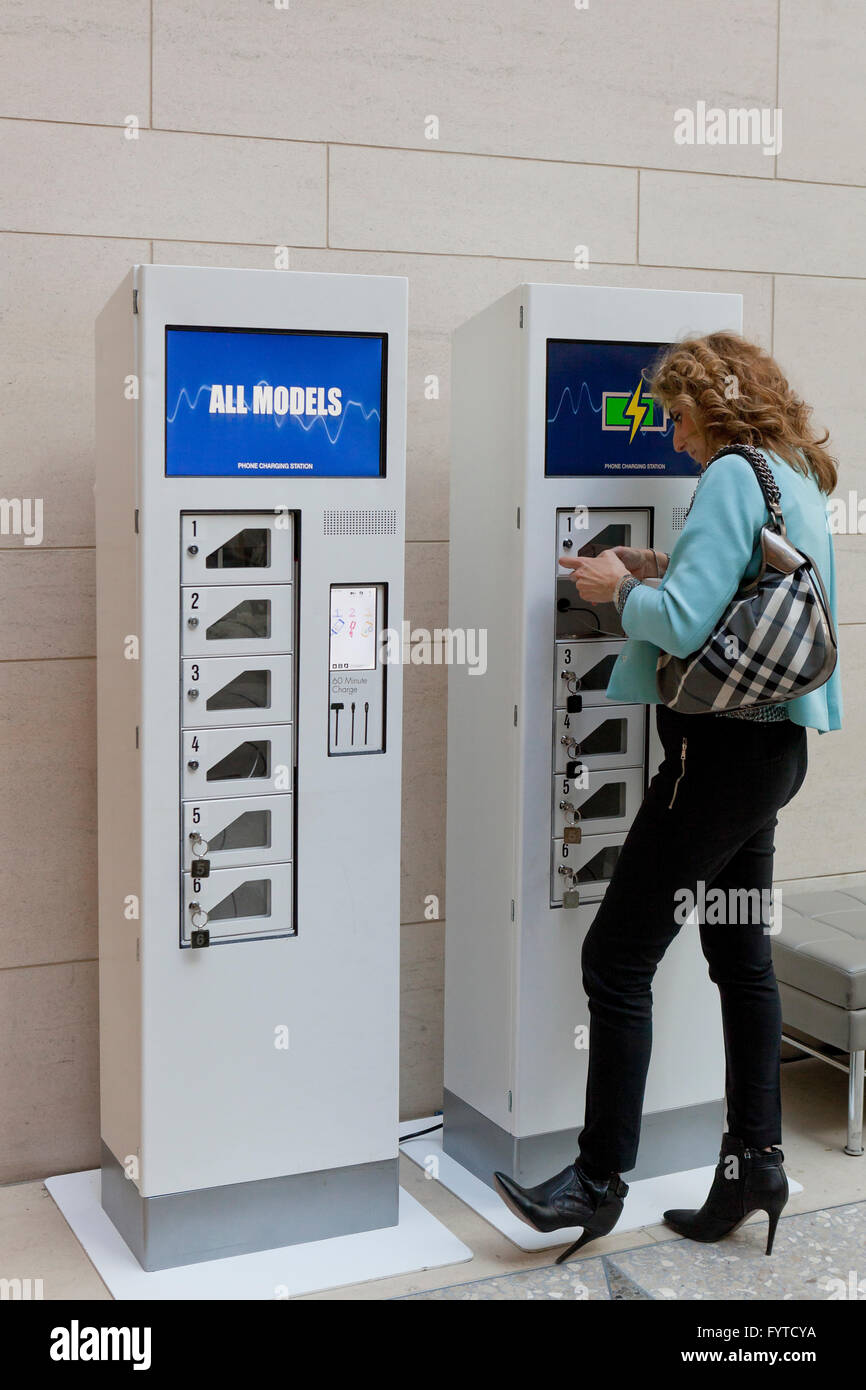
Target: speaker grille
<point>678,517</point>
<point>362,521</point>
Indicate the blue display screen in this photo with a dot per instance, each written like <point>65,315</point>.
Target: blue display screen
<point>601,421</point>
<point>252,403</point>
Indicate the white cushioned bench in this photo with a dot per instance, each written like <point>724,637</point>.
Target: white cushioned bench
<point>819,956</point>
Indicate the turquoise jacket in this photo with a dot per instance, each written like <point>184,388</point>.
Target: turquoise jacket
<point>717,547</point>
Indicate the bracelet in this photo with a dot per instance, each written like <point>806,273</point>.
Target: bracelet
<point>622,591</point>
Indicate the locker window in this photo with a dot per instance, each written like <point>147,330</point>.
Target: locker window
<point>609,737</point>
<point>249,690</point>
<point>609,800</point>
<point>250,830</point>
<point>247,760</point>
<point>249,549</point>
<point>618,533</point>
<point>251,618</point>
<point>598,676</point>
<point>250,899</point>
<point>599,867</point>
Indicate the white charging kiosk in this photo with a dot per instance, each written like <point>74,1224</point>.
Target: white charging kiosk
<point>250,530</point>
<point>557,446</point>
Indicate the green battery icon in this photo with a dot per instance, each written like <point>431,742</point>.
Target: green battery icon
<point>615,405</point>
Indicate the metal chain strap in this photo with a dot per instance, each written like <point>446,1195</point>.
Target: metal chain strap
<point>769,486</point>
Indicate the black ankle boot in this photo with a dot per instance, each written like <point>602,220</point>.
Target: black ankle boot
<point>757,1183</point>
<point>569,1198</point>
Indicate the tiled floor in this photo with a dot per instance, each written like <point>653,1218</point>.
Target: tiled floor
<point>815,1256</point>
<point>821,1237</point>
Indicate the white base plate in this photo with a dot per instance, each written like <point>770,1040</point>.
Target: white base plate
<point>418,1242</point>
<point>643,1206</point>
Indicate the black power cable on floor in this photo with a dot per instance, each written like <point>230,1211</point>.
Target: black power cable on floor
<point>419,1132</point>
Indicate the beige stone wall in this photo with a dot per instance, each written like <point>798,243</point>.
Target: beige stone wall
<point>307,126</point>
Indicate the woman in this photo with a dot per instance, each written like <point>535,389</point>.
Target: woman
<point>710,810</point>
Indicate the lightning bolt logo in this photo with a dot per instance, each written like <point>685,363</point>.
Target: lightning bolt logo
<point>635,411</point>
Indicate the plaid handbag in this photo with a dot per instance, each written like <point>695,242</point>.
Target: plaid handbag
<point>774,642</point>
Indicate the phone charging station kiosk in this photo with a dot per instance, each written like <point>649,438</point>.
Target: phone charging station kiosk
<point>557,448</point>
<point>250,532</point>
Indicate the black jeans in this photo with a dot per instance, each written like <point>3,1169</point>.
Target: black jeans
<point>720,830</point>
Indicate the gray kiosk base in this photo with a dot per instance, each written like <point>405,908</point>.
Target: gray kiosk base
<point>185,1228</point>
<point>672,1141</point>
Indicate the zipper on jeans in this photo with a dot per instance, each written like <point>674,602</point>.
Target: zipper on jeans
<point>680,778</point>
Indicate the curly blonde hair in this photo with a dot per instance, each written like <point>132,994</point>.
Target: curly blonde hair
<point>738,394</point>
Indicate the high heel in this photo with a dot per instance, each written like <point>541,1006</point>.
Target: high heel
<point>771,1229</point>
<point>569,1198</point>
<point>758,1183</point>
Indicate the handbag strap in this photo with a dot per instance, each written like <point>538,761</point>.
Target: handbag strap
<point>763,473</point>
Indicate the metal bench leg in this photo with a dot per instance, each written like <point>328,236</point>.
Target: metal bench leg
<point>855,1103</point>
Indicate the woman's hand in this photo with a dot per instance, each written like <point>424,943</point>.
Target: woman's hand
<point>596,579</point>
<point>642,563</point>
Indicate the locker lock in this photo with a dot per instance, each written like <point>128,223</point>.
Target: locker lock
<point>571,831</point>
<point>199,845</point>
<point>192,694</point>
<point>193,765</point>
<point>192,622</point>
<point>192,550</point>
<point>199,916</point>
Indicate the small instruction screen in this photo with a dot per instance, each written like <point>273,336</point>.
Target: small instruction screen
<point>601,421</point>
<point>353,628</point>
<point>245,403</point>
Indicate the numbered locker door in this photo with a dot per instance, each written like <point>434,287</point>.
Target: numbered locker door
<point>225,620</point>
<point>238,904</point>
<point>596,802</point>
<point>236,548</point>
<point>236,690</point>
<point>586,866</point>
<point>249,761</point>
<point>607,736</point>
<point>590,530</point>
<point>233,831</point>
<point>584,669</point>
